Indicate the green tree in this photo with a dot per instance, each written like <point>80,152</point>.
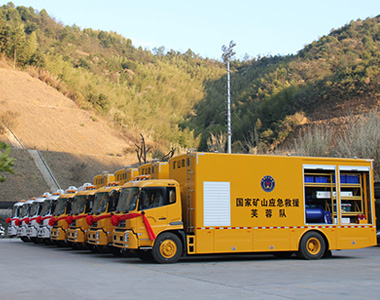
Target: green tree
<point>6,162</point>
<point>17,42</point>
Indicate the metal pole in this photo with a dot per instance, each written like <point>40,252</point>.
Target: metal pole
<point>228,108</point>
<point>227,54</point>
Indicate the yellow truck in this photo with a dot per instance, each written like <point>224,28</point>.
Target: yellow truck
<point>156,170</point>
<point>234,203</point>
<point>102,179</point>
<point>58,223</point>
<point>106,199</point>
<point>81,206</point>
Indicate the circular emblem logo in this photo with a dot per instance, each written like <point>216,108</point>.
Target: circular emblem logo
<point>267,183</point>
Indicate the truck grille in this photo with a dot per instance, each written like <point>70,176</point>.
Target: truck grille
<point>74,223</point>
<point>122,224</point>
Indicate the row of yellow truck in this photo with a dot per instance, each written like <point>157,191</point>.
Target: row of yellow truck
<point>214,203</point>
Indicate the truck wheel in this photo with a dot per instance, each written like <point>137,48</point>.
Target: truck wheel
<point>167,248</point>
<point>312,246</point>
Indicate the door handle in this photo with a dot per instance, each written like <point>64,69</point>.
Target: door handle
<point>163,218</point>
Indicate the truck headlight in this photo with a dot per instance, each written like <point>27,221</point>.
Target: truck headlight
<point>126,237</point>
<point>97,235</point>
<point>76,233</point>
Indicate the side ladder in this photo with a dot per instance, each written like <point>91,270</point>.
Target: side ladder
<point>189,189</point>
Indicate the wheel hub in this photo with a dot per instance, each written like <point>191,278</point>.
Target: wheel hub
<point>313,246</point>
<point>168,249</point>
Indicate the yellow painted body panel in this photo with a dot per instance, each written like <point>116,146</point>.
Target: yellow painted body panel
<point>145,169</point>
<point>124,175</point>
<point>132,173</point>
<point>257,219</point>
<point>158,170</point>
<point>102,179</point>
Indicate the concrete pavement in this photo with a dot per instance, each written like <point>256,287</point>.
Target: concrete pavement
<point>30,271</point>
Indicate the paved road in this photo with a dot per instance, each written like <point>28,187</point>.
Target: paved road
<point>29,271</point>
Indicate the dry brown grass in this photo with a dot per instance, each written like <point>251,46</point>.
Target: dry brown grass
<point>44,119</point>
<point>9,119</point>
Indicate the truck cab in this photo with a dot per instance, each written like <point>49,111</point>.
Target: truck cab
<point>35,211</point>
<point>58,220</point>
<point>47,210</point>
<point>99,234</point>
<point>24,220</point>
<point>15,214</point>
<point>150,220</point>
<point>81,206</point>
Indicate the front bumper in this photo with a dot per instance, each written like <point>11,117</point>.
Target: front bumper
<point>58,234</point>
<point>22,231</point>
<point>12,231</point>
<point>99,237</point>
<point>125,239</point>
<point>44,232</point>
<point>76,235</point>
<point>32,232</point>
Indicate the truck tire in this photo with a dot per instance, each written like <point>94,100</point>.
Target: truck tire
<point>167,248</point>
<point>312,246</point>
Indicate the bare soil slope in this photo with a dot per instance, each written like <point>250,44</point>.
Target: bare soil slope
<point>76,144</point>
<point>47,120</point>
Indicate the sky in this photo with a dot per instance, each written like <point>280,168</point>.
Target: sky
<point>266,27</point>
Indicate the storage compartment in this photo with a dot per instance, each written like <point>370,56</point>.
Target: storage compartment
<point>321,192</point>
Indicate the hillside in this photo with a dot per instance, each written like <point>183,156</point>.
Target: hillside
<point>76,144</point>
<point>178,99</point>
<point>138,90</point>
<point>330,78</point>
<point>42,118</point>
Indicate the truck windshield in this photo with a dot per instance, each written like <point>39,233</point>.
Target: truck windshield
<point>24,210</point>
<point>100,203</point>
<point>45,207</point>
<point>61,205</point>
<point>78,204</point>
<point>14,211</point>
<point>128,199</point>
<point>35,208</point>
